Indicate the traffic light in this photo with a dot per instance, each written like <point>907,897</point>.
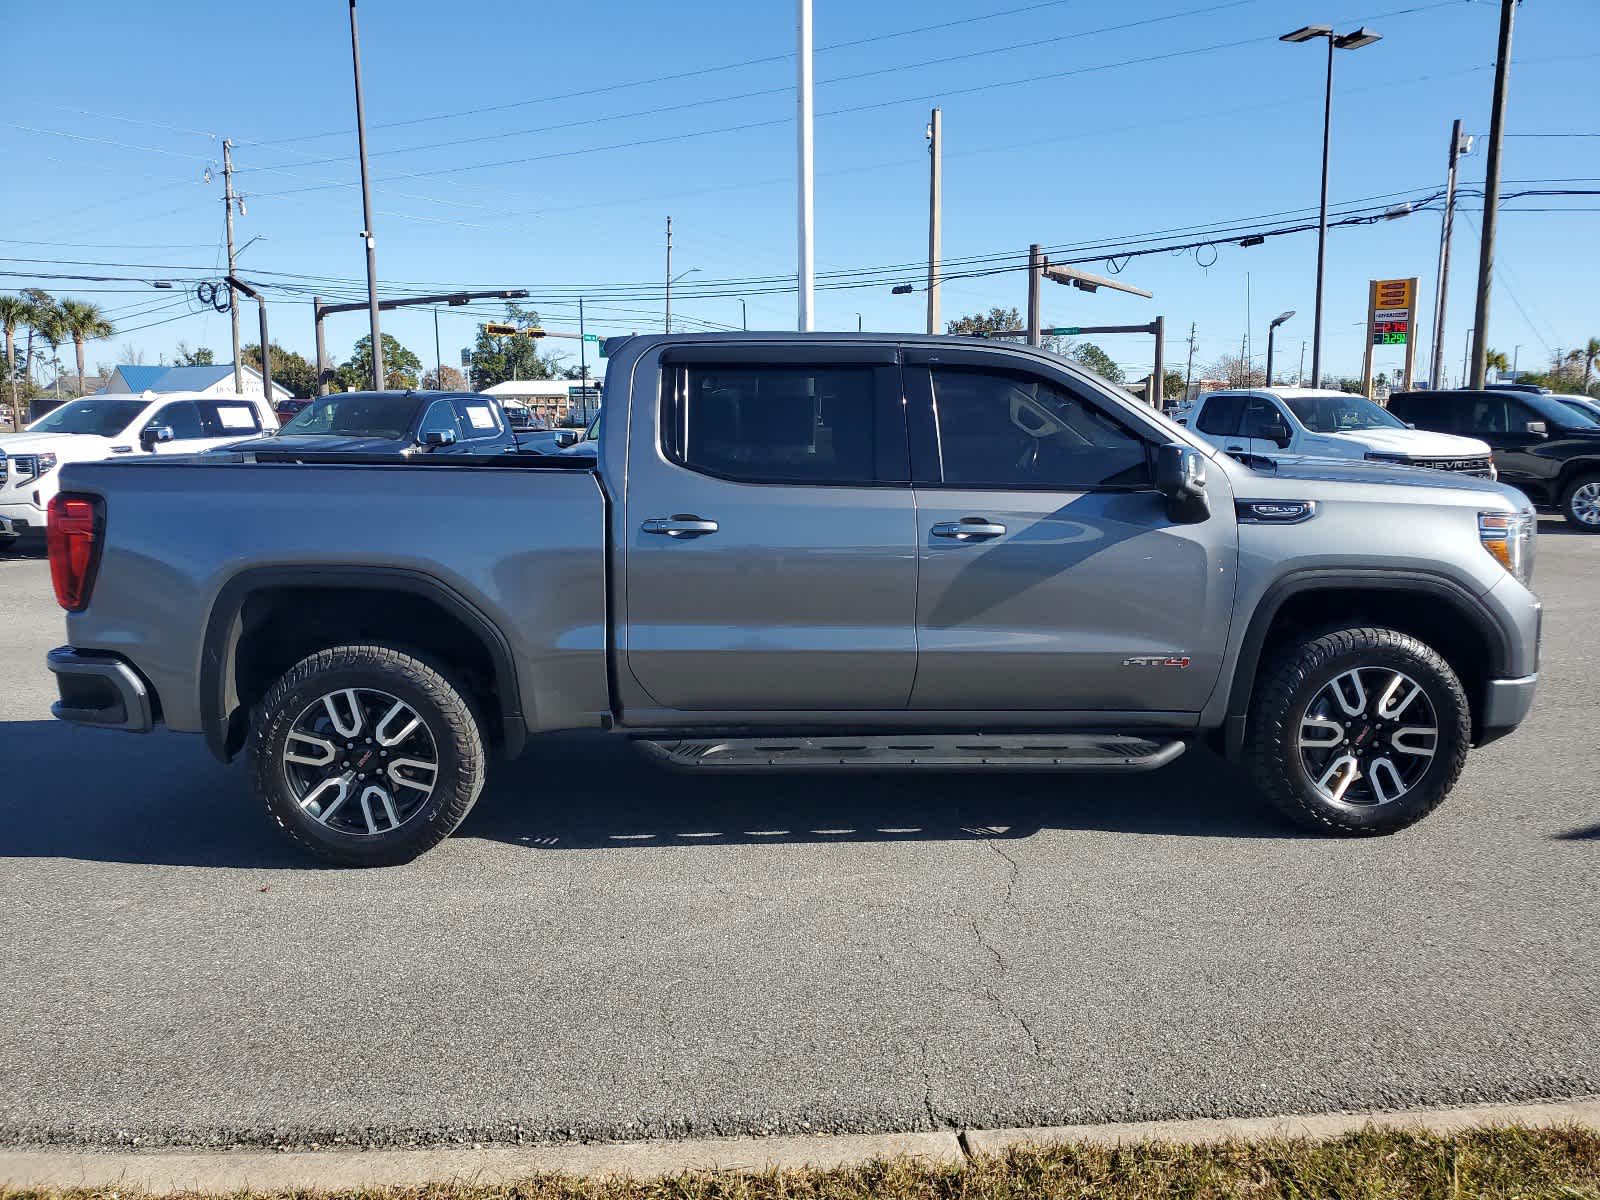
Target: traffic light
<point>532,331</point>
<point>494,330</point>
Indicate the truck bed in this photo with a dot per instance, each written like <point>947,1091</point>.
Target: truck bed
<point>518,540</point>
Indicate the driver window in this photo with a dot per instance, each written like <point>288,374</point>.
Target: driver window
<point>1017,431</point>
<point>441,416</point>
<point>183,418</point>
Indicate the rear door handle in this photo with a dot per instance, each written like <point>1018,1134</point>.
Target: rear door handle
<point>680,526</point>
<point>968,529</point>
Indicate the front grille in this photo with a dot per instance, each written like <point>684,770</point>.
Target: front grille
<point>5,469</point>
<point>1479,467</point>
<point>26,464</point>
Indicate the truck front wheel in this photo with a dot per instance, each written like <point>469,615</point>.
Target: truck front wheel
<point>1358,731</point>
<point>367,755</point>
<point>1580,503</point>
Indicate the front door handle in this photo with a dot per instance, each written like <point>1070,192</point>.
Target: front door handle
<point>968,529</point>
<point>681,525</point>
<point>1233,448</point>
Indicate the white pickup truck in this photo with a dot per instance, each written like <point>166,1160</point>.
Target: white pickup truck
<point>99,427</point>
<point>1313,423</point>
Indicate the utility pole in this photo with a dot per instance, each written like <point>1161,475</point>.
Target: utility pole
<point>233,298</point>
<point>744,316</point>
<point>1244,361</point>
<point>1188,371</point>
<point>1035,273</point>
<point>1300,375</point>
<point>583,363</point>
<point>1459,144</point>
<point>1491,195</point>
<point>807,268</point>
<point>366,208</point>
<point>438,359</point>
<point>935,214</point>
<point>1466,359</point>
<point>668,328</point>
<point>323,371</point>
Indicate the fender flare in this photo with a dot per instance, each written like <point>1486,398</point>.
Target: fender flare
<point>221,719</point>
<point>1435,587</point>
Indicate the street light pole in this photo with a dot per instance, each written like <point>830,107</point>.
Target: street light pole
<point>1272,333</point>
<point>806,270</point>
<point>935,213</point>
<point>1347,41</point>
<point>366,208</point>
<point>1491,195</point>
<point>668,327</point>
<point>438,359</point>
<point>744,316</point>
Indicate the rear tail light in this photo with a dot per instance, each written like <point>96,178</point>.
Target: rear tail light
<point>74,532</point>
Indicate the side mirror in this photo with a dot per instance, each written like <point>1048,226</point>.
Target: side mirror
<point>1181,478</point>
<point>152,435</point>
<point>566,437</point>
<point>1537,428</point>
<point>1280,435</point>
<point>434,438</point>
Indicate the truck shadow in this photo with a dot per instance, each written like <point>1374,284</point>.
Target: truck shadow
<point>162,800</point>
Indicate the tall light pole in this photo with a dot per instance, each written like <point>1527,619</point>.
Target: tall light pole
<point>1341,41</point>
<point>1491,195</point>
<point>807,266</point>
<point>366,208</point>
<point>744,316</point>
<point>1460,144</point>
<point>935,213</point>
<point>228,200</point>
<point>667,327</point>
<point>1272,333</point>
<point>672,279</point>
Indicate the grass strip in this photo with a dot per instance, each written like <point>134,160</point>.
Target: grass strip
<point>1502,1161</point>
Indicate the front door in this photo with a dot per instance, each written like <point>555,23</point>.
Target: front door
<point>770,531</point>
<point>1502,421</point>
<point>1051,577</point>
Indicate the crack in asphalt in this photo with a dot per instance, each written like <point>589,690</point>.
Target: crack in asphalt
<point>1014,870</point>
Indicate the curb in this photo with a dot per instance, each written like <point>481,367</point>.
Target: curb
<point>162,1172</point>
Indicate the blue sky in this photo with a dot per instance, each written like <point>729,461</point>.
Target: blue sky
<point>1047,139</point>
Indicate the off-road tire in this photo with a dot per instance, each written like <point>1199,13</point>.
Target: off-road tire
<point>1288,686</point>
<point>436,698</point>
<point>1569,495</point>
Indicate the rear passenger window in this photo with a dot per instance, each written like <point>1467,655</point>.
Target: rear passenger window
<point>777,424</point>
<point>1003,430</point>
<point>1220,415</point>
<point>477,419</point>
<point>225,418</point>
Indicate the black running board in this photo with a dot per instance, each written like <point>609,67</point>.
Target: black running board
<point>1083,752</point>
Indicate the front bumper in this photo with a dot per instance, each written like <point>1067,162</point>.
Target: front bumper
<point>100,689</point>
<point>1506,703</point>
<point>21,519</point>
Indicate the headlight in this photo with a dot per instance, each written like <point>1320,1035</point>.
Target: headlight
<point>47,462</point>
<point>1509,538</point>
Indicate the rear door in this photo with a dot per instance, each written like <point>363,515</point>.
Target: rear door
<point>770,532</point>
<point>1219,421</point>
<point>1050,576</point>
<point>481,429</point>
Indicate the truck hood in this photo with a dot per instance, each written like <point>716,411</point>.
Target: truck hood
<point>319,444</point>
<point>1415,443</point>
<point>1345,470</point>
<point>67,447</point>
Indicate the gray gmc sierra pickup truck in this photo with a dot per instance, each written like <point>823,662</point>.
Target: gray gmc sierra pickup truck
<point>826,552</point>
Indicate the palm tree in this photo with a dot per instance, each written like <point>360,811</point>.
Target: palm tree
<point>1591,354</point>
<point>1497,361</point>
<point>13,312</point>
<point>50,323</point>
<point>83,322</point>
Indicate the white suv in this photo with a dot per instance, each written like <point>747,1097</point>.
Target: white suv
<point>97,427</point>
<point>1272,422</point>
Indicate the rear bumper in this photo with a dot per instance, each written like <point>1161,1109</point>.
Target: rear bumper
<point>100,689</point>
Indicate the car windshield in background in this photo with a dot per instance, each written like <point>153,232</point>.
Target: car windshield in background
<point>1338,414</point>
<point>103,418</point>
<point>355,414</point>
<point>1552,408</point>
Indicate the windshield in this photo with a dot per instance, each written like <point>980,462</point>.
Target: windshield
<point>355,414</point>
<point>1336,414</point>
<point>103,418</point>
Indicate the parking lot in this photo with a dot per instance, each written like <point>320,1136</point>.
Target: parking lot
<point>608,950</point>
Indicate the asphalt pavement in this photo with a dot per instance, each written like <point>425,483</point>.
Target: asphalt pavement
<point>608,950</point>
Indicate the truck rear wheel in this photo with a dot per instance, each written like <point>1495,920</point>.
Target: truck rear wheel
<point>367,755</point>
<point>1358,731</point>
